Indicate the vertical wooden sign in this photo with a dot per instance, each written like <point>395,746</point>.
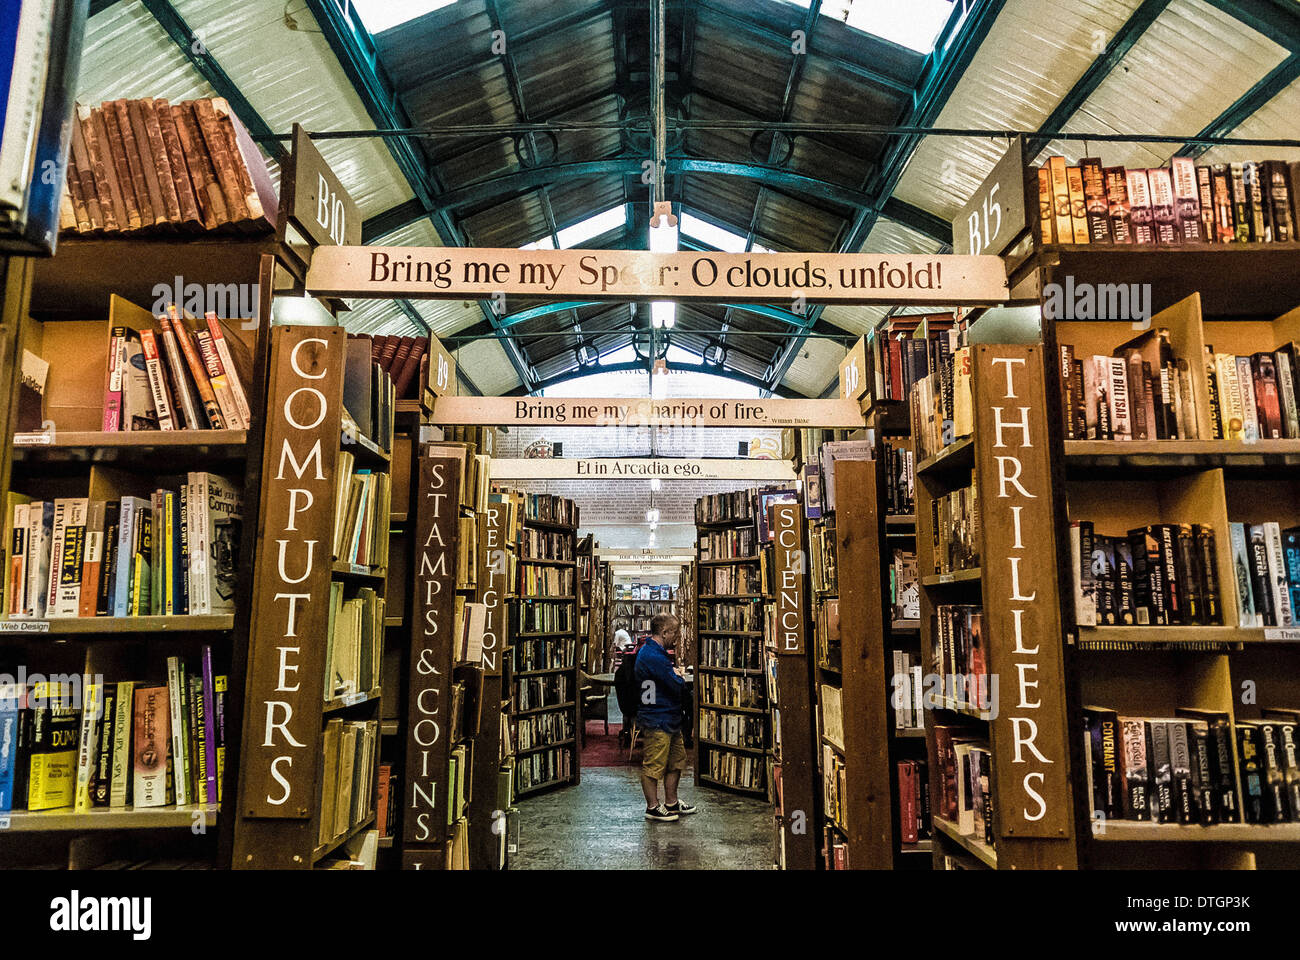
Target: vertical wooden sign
<point>486,821</point>
<point>433,614</point>
<point>290,613</point>
<point>1022,622</point>
<point>853,371</point>
<point>797,821</point>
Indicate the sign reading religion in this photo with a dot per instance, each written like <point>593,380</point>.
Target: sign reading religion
<point>466,272</point>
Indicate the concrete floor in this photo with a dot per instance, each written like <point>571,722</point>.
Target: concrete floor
<point>600,825</point>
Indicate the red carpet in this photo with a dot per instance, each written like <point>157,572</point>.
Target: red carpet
<point>604,751</point>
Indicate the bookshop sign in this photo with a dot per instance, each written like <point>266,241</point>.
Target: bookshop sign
<point>791,567</point>
<point>455,273</point>
<point>1021,607</point>
<point>640,468</point>
<point>282,739</point>
<point>492,587</point>
<point>629,412</point>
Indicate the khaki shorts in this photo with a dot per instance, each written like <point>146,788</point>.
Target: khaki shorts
<point>661,751</point>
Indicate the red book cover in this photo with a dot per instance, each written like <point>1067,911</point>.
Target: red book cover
<point>391,343</point>
<point>908,794</point>
<point>896,370</point>
<point>399,357</point>
<point>1268,408</point>
<point>381,804</point>
<point>402,380</point>
<point>947,756</point>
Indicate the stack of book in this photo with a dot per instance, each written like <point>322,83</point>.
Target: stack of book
<point>730,691</point>
<point>1266,567</point>
<point>1159,575</point>
<point>904,586</point>
<point>543,617</point>
<point>734,653</point>
<point>543,766</point>
<point>742,578</point>
<point>913,801</point>
<point>550,509</point>
<point>362,499</point>
<point>1250,202</point>
<point>1187,769</point>
<point>907,686</point>
<point>176,378</point>
<point>941,409</point>
<point>354,643</point>
<point>90,743</point>
<point>965,770</point>
<point>746,771</point>
<point>725,507</point>
<point>166,168</point>
<point>822,559</point>
<point>351,751</point>
<point>957,530</point>
<point>960,655</point>
<point>402,358</point>
<point>174,554</point>
<point>900,476</point>
<point>535,581</point>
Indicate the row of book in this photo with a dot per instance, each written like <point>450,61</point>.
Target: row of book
<point>350,750</point>
<point>537,769</point>
<point>734,507</point>
<point>354,643</point>
<point>735,653</point>
<point>549,508</point>
<point>900,476</point>
<point>1266,567</point>
<point>544,617</point>
<point>907,687</point>
<point>530,655</point>
<point>965,771</point>
<point>534,693</point>
<point>715,691</point>
<point>826,621</point>
<point>1143,391</point>
<point>904,349</point>
<point>743,617</point>
<point>151,165</point>
<point>176,553</point>
<point>1254,398</point>
<point>86,743</point>
<point>904,586</point>
<point>545,582</point>
<point>828,454</point>
<point>913,801</point>
<point>741,543</point>
<point>822,559</point>
<point>545,545</point>
<point>746,771</point>
<point>1198,767</point>
<point>644,591</point>
<point>175,377</point>
<point>543,729</point>
<point>722,580</point>
<point>956,519</point>
<point>959,653</point>
<point>643,609</point>
<point>1162,574</point>
<point>1249,202</point>
<point>362,506</point>
<point>733,729</point>
<point>457,801</point>
<point>941,408</point>
<point>835,788</point>
<point>402,358</point>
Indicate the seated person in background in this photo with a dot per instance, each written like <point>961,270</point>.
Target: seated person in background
<point>625,690</point>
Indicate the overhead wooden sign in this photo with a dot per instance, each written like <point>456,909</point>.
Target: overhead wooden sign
<point>493,563</point>
<point>791,569</point>
<point>994,217</point>
<point>453,273</point>
<point>853,371</point>
<point>290,614</point>
<point>316,201</point>
<point>626,412</point>
<point>424,792</point>
<point>442,369</point>
<point>1021,609</point>
<point>638,468</point>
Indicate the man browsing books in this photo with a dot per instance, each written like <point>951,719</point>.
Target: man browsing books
<point>659,714</point>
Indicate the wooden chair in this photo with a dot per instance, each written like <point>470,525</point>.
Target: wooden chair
<point>594,697</point>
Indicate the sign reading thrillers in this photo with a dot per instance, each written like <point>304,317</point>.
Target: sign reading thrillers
<point>453,273</point>
<point>1020,592</point>
<point>290,614</point>
<point>493,563</point>
<point>424,822</point>
<point>791,565</point>
<point>631,412</point>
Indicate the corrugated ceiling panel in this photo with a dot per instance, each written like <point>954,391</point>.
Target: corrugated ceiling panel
<point>1033,55</point>
<point>1275,120</point>
<point>814,366</point>
<point>887,236</point>
<point>379,316</point>
<point>1188,66</point>
<point>486,363</point>
<point>293,75</point>
<point>127,34</point>
<point>854,319</point>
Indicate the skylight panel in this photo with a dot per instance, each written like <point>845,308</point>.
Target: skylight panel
<point>714,236</point>
<point>592,227</point>
<point>381,15</point>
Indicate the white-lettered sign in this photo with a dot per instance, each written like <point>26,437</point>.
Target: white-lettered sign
<point>453,273</point>
<point>635,468</point>
<point>625,412</point>
<point>853,371</point>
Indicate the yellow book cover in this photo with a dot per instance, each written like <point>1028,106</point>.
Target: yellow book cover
<point>52,770</point>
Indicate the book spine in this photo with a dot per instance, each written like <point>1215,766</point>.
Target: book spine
<point>1187,200</point>
<point>103,777</point>
<point>190,218</point>
<point>1290,410</point>
<point>1135,768</point>
<point>232,375</point>
<point>217,377</point>
<point>1280,194</point>
<point>1212,385</point>
<point>1268,406</point>
<point>1096,203</point>
<point>1121,419</point>
<point>113,388</point>
<point>1261,229</point>
<point>1291,553</point>
<point>1163,217</point>
<point>1205,196</point>
<point>1078,204</point>
<point>1211,604</point>
<point>1162,781</point>
<point>198,370</point>
<point>1249,413</point>
<point>1061,200</point>
<point>1277,576</point>
<point>1251,768</point>
<point>1242,563</point>
<point>1240,204</point>
<point>97,158</point>
<point>150,749</point>
<point>209,727</point>
<point>1189,575</point>
<point>1140,212</point>
<point>157,381</point>
<point>134,165</point>
<point>178,746</point>
<point>1046,232</point>
<point>1260,585</point>
<point>1117,200</point>
<point>1225,223</point>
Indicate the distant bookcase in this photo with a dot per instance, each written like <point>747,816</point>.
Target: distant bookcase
<point>544,657</point>
<point>731,690</point>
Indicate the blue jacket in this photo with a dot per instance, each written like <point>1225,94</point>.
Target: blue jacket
<point>664,712</point>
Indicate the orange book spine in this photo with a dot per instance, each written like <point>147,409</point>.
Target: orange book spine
<point>197,370</point>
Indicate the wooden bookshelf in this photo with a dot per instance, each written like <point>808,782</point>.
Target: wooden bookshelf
<point>745,646</point>
<point>565,645</point>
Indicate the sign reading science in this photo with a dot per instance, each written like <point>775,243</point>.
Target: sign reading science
<point>464,272</point>
<point>625,412</point>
